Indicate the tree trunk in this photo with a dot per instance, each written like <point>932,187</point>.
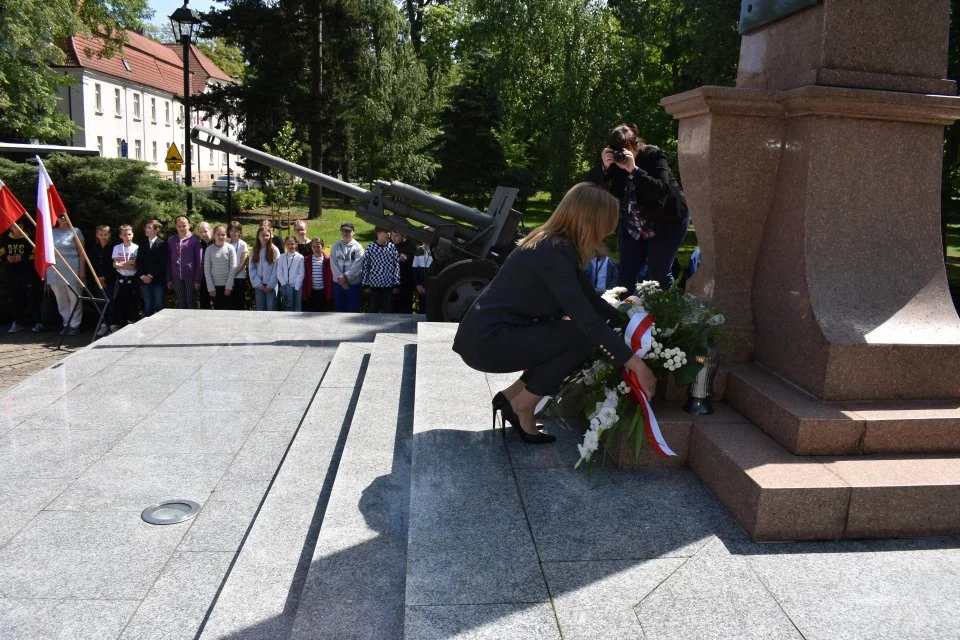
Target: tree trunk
<point>316,94</point>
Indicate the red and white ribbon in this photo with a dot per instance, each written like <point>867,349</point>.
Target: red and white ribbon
<point>638,335</point>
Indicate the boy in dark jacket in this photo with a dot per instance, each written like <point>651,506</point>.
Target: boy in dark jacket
<point>152,269</point>
<point>100,252</point>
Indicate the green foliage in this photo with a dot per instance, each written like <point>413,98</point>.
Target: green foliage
<point>226,56</point>
<point>30,34</point>
<point>281,189</point>
<point>395,109</point>
<point>469,150</point>
<point>249,200</point>
<point>111,191</point>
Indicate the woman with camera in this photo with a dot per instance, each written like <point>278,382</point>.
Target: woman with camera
<point>653,212</point>
<point>541,315</point>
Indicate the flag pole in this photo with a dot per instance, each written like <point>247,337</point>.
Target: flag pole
<point>27,238</point>
<point>83,252</point>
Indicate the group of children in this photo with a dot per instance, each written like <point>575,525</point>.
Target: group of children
<point>215,267</point>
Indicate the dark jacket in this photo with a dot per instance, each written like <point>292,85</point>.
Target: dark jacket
<point>541,284</point>
<point>102,260</point>
<point>652,179</point>
<point>10,246</point>
<point>406,248</point>
<point>153,262</point>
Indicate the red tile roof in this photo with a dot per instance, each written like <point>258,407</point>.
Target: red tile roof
<point>150,63</point>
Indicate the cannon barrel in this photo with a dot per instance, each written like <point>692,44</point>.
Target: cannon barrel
<point>438,203</point>
<point>466,244</point>
<point>216,140</point>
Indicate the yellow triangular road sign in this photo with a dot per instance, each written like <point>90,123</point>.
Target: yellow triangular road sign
<point>173,155</point>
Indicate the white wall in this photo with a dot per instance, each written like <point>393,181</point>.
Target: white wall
<point>109,125</point>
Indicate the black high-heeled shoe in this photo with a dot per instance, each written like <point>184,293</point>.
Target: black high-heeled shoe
<point>507,414</point>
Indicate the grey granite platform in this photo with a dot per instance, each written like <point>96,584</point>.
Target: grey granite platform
<point>196,405</point>
<point>351,487</point>
<point>507,540</point>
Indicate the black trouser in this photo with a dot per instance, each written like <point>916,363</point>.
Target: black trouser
<point>25,296</point>
<point>127,300</point>
<point>239,295</point>
<point>381,300</point>
<point>203,297</point>
<point>547,351</point>
<point>222,301</point>
<point>403,301</point>
<point>317,301</point>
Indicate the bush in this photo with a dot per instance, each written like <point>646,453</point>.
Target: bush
<point>249,200</point>
<point>110,191</point>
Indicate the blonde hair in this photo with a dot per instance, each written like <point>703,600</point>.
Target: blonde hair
<point>586,215</point>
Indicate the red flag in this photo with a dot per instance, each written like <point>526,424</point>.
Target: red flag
<point>10,208</point>
<point>49,208</point>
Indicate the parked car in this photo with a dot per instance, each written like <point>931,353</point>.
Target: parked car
<point>220,184</point>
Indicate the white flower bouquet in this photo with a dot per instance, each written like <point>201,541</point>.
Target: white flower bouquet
<point>678,331</point>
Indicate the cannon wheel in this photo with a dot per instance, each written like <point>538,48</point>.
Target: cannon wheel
<point>455,288</point>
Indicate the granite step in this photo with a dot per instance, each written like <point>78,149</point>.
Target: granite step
<point>779,496</point>
<point>354,587</point>
<point>806,425</point>
<point>472,565</point>
<point>260,595</point>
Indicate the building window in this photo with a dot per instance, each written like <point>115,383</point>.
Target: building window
<point>100,143</point>
<point>154,151</point>
<point>98,97</point>
<point>153,110</point>
<point>119,148</point>
<point>180,117</point>
<point>116,101</point>
<point>137,150</point>
<point>136,106</point>
<point>166,108</point>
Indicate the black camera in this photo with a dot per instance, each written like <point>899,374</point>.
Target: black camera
<point>619,155</point>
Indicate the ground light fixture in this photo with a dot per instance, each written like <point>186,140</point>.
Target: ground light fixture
<point>170,512</point>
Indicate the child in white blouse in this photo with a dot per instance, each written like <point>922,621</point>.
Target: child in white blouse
<point>290,276</point>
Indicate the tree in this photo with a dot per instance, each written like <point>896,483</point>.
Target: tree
<point>226,56</point>
<point>396,109</point>
<point>280,189</point>
<point>469,151</point>
<point>31,33</point>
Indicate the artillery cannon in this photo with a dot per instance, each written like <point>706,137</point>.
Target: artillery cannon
<point>467,244</point>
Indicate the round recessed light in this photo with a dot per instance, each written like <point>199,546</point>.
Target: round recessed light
<point>170,512</point>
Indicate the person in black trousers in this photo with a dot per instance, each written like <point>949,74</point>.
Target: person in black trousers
<point>653,210</point>
<point>541,315</point>
<point>152,269</point>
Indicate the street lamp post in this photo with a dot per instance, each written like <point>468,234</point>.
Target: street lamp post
<point>184,22</point>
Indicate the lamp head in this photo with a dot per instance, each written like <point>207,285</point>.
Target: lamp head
<point>184,22</point>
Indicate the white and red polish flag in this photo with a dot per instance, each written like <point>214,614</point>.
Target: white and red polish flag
<point>10,208</point>
<point>49,208</point>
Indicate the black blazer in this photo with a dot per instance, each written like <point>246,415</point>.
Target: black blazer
<point>153,262</point>
<point>540,284</point>
<point>653,180</point>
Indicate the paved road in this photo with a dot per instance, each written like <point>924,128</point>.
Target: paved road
<point>25,353</point>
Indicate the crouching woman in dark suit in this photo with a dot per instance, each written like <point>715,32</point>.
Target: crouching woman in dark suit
<point>541,315</point>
